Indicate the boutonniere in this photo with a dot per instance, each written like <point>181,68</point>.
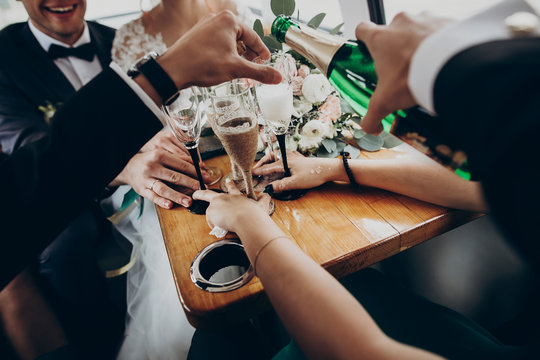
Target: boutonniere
<point>48,110</point>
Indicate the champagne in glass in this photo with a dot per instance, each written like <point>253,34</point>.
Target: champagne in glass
<point>276,104</point>
<point>235,124</point>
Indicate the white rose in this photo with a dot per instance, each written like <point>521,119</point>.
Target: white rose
<point>316,88</point>
<point>308,144</point>
<point>301,107</point>
<point>314,128</point>
<point>328,129</point>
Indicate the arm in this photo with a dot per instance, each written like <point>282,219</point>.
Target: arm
<point>416,176</point>
<point>322,317</point>
<point>44,185</point>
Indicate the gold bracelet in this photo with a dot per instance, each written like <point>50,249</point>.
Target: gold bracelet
<point>262,248</point>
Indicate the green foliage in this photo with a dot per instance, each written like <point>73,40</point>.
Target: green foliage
<point>337,29</point>
<point>258,28</point>
<point>285,7</point>
<point>272,44</point>
<point>316,21</point>
<point>325,154</point>
<point>330,145</point>
<point>354,152</point>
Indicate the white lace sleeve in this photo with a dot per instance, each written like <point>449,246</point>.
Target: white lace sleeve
<point>132,42</point>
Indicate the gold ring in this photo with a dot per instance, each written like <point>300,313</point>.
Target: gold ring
<point>151,188</point>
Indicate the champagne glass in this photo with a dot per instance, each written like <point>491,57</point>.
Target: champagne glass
<point>184,118</point>
<point>233,119</point>
<point>276,104</point>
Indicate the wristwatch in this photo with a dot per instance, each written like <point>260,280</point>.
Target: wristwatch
<point>156,76</point>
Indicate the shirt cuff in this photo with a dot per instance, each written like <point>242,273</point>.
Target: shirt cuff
<point>437,49</point>
<point>140,93</point>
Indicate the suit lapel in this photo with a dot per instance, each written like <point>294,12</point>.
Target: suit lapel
<point>103,43</point>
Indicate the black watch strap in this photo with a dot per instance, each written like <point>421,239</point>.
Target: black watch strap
<point>160,80</point>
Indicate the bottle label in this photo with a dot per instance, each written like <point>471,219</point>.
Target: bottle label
<point>316,47</point>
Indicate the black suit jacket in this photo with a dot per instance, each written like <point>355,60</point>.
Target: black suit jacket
<point>46,184</point>
<point>29,79</point>
<point>489,97</point>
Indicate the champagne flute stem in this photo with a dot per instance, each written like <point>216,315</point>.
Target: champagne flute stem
<point>283,149</point>
<point>195,157</point>
<point>248,180</point>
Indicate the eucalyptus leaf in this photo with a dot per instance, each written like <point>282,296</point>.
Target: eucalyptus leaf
<point>358,134</point>
<point>272,44</point>
<point>285,7</point>
<point>329,145</point>
<point>390,140</point>
<point>258,28</point>
<point>316,21</point>
<point>354,152</point>
<point>324,154</point>
<point>337,29</point>
<point>370,142</point>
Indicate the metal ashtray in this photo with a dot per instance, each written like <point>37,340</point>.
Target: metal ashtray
<point>221,266</point>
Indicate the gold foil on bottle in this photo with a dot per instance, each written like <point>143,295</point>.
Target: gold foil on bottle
<point>317,47</point>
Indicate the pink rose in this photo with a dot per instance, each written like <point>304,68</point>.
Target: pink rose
<point>296,84</point>
<point>303,71</point>
<point>330,110</point>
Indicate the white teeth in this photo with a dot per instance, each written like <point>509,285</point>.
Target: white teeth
<point>63,9</point>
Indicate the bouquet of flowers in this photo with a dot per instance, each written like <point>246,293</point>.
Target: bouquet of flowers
<point>323,124</point>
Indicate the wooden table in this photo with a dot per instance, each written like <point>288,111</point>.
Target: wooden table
<point>342,229</point>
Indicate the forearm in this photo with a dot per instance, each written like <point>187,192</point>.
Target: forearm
<point>423,180</point>
<point>420,178</point>
<point>322,316</point>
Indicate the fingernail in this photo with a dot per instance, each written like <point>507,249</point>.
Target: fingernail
<point>185,202</point>
<point>228,180</point>
<point>269,189</point>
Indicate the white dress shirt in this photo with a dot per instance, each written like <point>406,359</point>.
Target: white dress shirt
<point>437,49</point>
<point>78,71</point>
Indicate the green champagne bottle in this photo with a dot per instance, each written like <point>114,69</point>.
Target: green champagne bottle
<point>349,67</point>
<point>346,63</point>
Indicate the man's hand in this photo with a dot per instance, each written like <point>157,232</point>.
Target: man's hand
<point>208,54</point>
<point>392,48</point>
<point>162,162</point>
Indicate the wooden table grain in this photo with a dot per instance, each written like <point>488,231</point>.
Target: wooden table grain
<point>341,228</point>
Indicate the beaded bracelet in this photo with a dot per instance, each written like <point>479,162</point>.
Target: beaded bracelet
<point>262,248</point>
<point>344,156</point>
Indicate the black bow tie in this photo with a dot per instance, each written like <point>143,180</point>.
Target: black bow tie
<point>85,52</point>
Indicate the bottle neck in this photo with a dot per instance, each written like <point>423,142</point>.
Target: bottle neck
<point>319,48</point>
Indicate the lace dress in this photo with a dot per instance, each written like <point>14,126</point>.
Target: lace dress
<point>156,326</point>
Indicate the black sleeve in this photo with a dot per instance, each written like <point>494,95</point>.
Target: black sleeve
<point>489,97</point>
<point>44,185</point>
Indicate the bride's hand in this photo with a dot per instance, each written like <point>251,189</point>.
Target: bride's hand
<point>233,210</point>
<point>306,173</point>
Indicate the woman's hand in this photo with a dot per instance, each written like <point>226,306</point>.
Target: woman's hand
<point>233,210</point>
<point>306,173</point>
<point>162,162</point>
